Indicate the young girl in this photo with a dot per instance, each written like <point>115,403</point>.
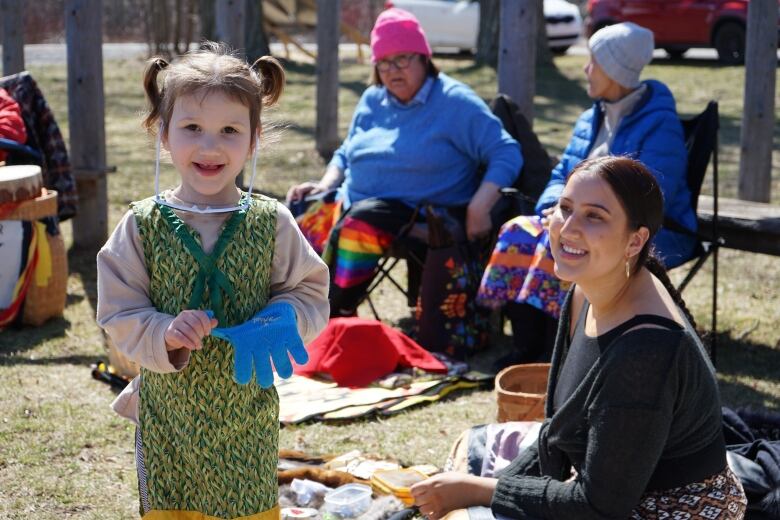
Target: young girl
<point>206,444</point>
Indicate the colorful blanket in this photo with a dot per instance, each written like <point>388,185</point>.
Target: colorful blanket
<point>302,398</point>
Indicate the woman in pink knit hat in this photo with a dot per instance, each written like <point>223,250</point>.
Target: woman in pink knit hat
<point>417,137</point>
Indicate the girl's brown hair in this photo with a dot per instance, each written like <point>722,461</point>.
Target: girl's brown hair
<point>431,69</point>
<point>641,198</point>
<point>212,68</point>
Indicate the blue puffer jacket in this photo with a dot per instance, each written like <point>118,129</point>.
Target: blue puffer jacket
<point>652,134</point>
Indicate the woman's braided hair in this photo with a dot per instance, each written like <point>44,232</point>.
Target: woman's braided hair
<point>640,195</point>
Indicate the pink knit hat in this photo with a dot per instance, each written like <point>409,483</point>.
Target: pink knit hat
<point>397,31</point>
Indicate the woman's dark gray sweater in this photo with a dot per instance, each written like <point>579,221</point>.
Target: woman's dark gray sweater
<point>645,417</point>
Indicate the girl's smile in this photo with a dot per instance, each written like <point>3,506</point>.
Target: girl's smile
<point>209,140</point>
<point>209,170</point>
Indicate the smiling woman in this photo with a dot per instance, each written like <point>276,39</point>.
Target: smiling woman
<point>632,423</point>
<point>417,137</point>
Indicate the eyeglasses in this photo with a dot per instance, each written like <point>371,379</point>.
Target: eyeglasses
<point>399,62</point>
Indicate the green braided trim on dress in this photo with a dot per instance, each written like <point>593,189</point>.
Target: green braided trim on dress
<point>208,275</point>
<point>210,445</point>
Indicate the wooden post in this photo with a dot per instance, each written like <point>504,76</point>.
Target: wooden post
<point>517,53</point>
<point>13,36</point>
<point>230,22</point>
<point>327,68</point>
<point>489,28</point>
<point>230,16</point>
<point>84,36</point>
<point>758,119</point>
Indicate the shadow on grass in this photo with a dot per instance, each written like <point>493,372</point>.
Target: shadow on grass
<point>557,94</point>
<point>17,340</point>
<point>745,367</point>
<point>81,260</point>
<point>307,131</point>
<point>15,359</point>
<point>298,67</point>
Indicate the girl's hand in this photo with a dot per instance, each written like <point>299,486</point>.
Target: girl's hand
<point>188,329</point>
<point>300,191</point>
<point>445,492</point>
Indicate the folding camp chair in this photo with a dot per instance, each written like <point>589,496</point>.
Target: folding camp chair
<point>411,245</point>
<point>701,141</point>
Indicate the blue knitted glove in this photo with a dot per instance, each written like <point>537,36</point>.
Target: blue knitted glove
<point>271,334</point>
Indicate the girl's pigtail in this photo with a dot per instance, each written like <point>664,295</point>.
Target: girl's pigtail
<point>153,92</point>
<point>657,268</point>
<point>272,78</point>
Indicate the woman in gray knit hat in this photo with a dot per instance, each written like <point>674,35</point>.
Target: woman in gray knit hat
<point>629,117</point>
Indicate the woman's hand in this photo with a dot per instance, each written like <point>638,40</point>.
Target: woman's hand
<point>188,329</point>
<point>331,180</point>
<point>445,492</point>
<point>478,223</point>
<point>303,190</point>
<point>546,215</point>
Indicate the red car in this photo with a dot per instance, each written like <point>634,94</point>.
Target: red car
<point>680,25</point>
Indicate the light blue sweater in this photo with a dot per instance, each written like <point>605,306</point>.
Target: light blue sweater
<point>428,150</point>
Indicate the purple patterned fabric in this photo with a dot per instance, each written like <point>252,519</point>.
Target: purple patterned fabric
<point>521,269</point>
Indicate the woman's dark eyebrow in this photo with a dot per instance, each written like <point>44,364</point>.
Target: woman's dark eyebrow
<point>593,205</point>
<point>599,206</point>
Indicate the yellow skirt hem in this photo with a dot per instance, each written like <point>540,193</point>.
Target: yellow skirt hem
<point>169,514</point>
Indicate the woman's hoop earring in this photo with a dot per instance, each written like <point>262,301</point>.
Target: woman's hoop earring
<point>628,269</point>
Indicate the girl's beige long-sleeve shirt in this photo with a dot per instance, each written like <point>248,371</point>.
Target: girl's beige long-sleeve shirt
<point>125,311</point>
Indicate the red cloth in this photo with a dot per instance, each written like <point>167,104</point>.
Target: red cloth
<point>11,122</point>
<point>356,352</point>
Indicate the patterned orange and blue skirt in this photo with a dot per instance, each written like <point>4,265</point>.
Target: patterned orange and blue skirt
<point>520,269</point>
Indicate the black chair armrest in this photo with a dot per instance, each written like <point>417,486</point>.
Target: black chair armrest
<point>675,226</point>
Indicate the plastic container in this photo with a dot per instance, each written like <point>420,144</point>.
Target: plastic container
<point>397,482</point>
<point>306,490</point>
<point>521,391</point>
<point>349,500</point>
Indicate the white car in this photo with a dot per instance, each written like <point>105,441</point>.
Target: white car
<point>455,23</point>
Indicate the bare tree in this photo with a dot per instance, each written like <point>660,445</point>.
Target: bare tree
<point>487,41</point>
<point>170,25</point>
<point>254,32</point>
<point>207,18</point>
<point>543,55</point>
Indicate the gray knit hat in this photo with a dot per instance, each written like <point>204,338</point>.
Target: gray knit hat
<point>622,50</point>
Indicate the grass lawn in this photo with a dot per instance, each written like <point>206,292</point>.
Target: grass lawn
<point>63,454</point>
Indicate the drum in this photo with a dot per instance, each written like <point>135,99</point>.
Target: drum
<point>33,262</point>
<point>20,183</point>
